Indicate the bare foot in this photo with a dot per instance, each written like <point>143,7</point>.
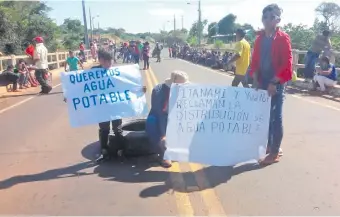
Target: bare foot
<point>270,159</point>
<point>166,163</point>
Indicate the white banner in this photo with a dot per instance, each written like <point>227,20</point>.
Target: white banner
<point>99,95</point>
<point>217,125</point>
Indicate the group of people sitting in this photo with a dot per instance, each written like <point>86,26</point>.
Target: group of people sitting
<point>21,72</point>
<point>20,76</point>
<point>213,59</point>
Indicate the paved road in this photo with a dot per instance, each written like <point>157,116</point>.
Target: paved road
<point>46,165</point>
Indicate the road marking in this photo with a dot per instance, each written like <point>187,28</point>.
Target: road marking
<point>148,82</point>
<point>182,198</point>
<point>316,103</point>
<point>183,203</point>
<point>23,101</point>
<point>295,96</point>
<point>207,193</point>
<point>210,199</point>
<point>153,77</point>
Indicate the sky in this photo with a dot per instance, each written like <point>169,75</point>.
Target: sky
<point>154,15</point>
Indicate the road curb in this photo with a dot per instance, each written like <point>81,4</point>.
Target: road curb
<point>300,84</point>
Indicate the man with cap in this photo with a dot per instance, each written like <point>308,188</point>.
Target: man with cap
<point>271,68</point>
<point>41,64</point>
<point>158,116</point>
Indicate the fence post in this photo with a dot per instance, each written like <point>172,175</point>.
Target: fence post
<point>332,57</point>
<point>13,60</point>
<point>295,60</point>
<point>57,59</point>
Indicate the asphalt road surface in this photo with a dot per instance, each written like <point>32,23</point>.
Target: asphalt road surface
<point>46,166</point>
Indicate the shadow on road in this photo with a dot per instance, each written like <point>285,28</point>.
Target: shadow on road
<point>136,171</point>
<point>133,171</point>
<point>64,172</point>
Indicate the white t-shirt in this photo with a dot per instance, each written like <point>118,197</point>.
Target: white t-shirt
<point>40,52</point>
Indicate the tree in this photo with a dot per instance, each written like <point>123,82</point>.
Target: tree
<point>218,44</point>
<point>212,29</point>
<point>227,24</point>
<point>73,32</point>
<point>194,28</point>
<point>330,12</point>
<point>301,36</point>
<point>192,41</point>
<point>23,21</point>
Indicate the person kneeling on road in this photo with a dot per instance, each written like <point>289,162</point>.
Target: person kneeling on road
<point>158,116</point>
<point>105,60</point>
<point>326,77</point>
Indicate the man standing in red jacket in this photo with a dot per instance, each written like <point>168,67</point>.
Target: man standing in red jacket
<point>271,68</point>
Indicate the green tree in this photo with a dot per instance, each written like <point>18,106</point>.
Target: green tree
<point>330,12</point>
<point>192,40</point>
<point>227,24</point>
<point>73,33</point>
<point>212,29</point>
<point>22,22</point>
<point>301,36</point>
<point>218,44</point>
<point>194,28</point>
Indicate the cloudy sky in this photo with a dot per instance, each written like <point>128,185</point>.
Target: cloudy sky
<point>154,15</point>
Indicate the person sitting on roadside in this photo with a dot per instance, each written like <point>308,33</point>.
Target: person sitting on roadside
<point>22,71</point>
<point>72,61</point>
<point>31,79</point>
<point>327,75</point>
<point>158,116</point>
<point>11,77</point>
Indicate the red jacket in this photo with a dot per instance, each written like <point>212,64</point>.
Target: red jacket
<point>281,56</point>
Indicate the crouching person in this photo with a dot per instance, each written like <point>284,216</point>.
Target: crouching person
<point>327,75</point>
<point>158,116</point>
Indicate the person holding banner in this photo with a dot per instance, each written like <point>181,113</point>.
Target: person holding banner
<point>105,59</point>
<point>271,68</point>
<point>157,119</point>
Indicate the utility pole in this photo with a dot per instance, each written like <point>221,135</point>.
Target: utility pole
<point>91,25</point>
<point>182,22</point>
<point>85,25</point>
<point>174,23</point>
<point>199,23</point>
<point>98,31</point>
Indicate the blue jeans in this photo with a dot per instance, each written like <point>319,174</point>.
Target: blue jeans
<point>275,122</point>
<point>126,57</point>
<point>310,62</point>
<point>23,79</point>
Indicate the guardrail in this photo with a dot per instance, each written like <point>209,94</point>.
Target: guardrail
<point>296,57</point>
<point>55,60</point>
